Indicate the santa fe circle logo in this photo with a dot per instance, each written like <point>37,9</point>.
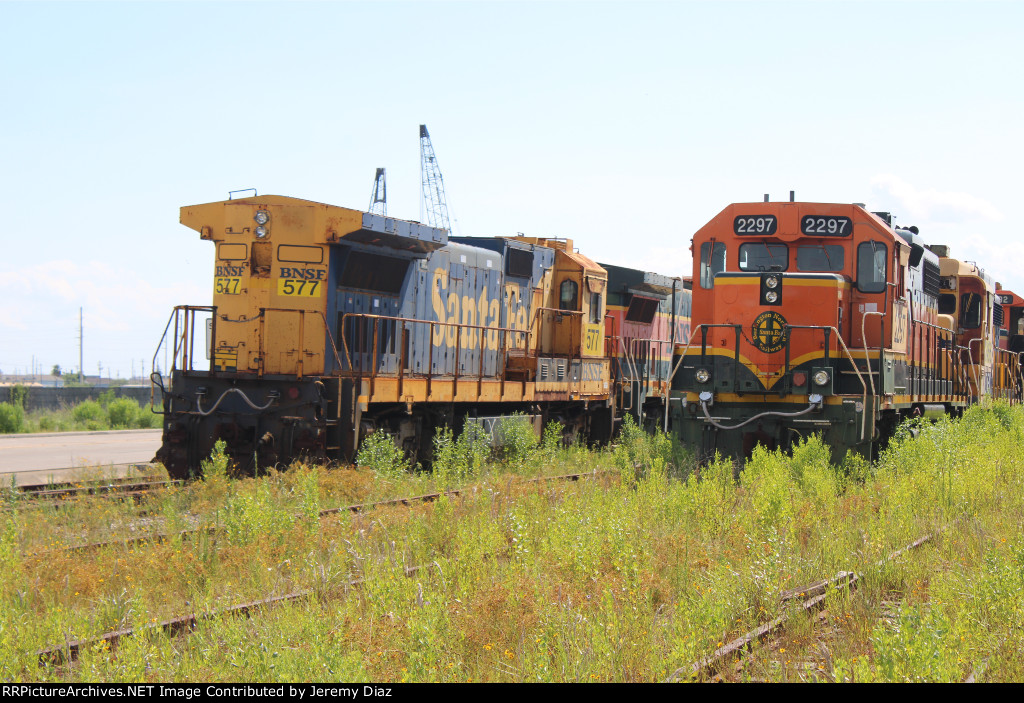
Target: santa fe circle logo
<point>769,332</point>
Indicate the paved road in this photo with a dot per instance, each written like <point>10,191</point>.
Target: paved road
<point>37,458</point>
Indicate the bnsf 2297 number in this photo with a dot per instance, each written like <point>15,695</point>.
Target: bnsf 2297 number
<point>826,226</point>
<point>754,224</point>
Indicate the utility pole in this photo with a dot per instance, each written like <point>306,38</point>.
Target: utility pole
<point>81,368</point>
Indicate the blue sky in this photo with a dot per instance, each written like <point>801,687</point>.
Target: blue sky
<point>624,126</point>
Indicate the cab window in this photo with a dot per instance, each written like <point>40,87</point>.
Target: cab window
<point>871,267</point>
<point>820,257</point>
<point>569,296</point>
<point>947,304</point>
<point>762,256</point>
<point>970,310</point>
<point>595,308</point>
<point>712,260</point>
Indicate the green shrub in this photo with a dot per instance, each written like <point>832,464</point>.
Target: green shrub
<point>147,419</point>
<point>122,413</point>
<point>516,440</point>
<point>18,393</point>
<point>458,460</point>
<point>90,414</point>
<point>247,518</point>
<point>380,453</point>
<point>12,417</point>
<point>216,467</point>
<point>106,398</point>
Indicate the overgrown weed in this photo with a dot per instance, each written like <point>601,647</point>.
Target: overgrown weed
<point>604,579</point>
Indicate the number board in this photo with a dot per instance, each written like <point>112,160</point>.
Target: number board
<point>1006,300</point>
<point>227,286</point>
<point>755,224</point>
<point>306,289</point>
<point>592,340</point>
<point>827,226</point>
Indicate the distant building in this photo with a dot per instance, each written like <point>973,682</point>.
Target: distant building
<point>41,380</point>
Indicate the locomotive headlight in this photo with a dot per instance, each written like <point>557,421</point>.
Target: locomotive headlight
<point>261,232</point>
<point>262,217</point>
<point>771,296</point>
<point>821,378</point>
<point>702,375</point>
<point>772,282</point>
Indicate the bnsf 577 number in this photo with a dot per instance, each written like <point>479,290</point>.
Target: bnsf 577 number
<point>306,289</point>
<point>226,285</point>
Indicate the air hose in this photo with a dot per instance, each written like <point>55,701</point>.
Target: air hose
<point>204,413</point>
<point>815,404</point>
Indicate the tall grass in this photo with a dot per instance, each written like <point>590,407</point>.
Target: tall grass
<point>626,576</point>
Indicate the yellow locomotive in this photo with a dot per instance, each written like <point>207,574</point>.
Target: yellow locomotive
<point>328,323</point>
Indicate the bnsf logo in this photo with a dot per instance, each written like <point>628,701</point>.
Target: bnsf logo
<point>304,274</point>
<point>231,270</point>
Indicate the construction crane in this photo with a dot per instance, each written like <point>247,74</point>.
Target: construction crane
<point>433,184</point>
<point>379,196</point>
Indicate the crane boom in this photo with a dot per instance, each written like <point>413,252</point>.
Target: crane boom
<point>433,184</point>
<point>379,197</point>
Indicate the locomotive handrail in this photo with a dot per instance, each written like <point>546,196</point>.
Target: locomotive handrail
<point>187,331</point>
<point>974,366</point>
<point>330,337</point>
<point>672,375</point>
<point>656,351</point>
<point>183,343</point>
<point>704,346</point>
<point>1008,364</point>
<point>961,370</point>
<point>787,327</point>
<point>839,338</point>
<point>881,347</point>
<point>393,318</point>
<point>632,372</point>
<point>686,349</point>
<point>1020,373</point>
<point>560,311</point>
<point>152,364</point>
<point>864,387</point>
<point>703,352</point>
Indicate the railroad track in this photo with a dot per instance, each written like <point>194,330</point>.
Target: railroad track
<point>47,481</point>
<point>57,495</point>
<point>69,651</point>
<point>812,600</point>
<point>160,537</point>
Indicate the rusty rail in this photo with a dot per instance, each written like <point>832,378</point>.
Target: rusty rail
<point>818,591</point>
<point>161,537</point>
<point>69,652</point>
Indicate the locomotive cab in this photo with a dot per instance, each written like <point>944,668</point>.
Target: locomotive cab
<point>569,321</point>
<point>813,318</point>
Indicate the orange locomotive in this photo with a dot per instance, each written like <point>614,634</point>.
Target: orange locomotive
<point>815,317</point>
<point>1009,318</point>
